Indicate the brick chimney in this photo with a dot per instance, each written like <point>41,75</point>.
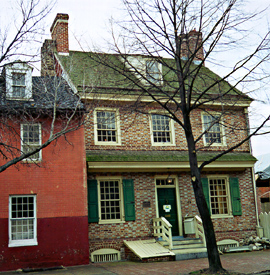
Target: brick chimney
<point>59,32</point>
<point>47,58</point>
<point>190,44</point>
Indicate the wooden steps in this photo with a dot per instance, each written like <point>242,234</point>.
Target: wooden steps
<point>187,248</point>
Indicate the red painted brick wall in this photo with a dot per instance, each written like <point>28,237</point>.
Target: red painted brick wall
<point>59,182</point>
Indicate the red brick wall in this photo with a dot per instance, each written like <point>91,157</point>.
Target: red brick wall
<point>59,182</point>
<point>61,241</point>
<point>59,32</point>
<point>112,235</point>
<point>262,192</point>
<point>234,227</point>
<point>135,131</point>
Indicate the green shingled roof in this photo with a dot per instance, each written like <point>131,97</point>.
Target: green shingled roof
<point>161,156</point>
<point>86,72</point>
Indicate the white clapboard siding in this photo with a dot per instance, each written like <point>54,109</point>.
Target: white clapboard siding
<point>265,223</point>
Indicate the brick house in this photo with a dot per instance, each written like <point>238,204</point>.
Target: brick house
<point>137,162</point>
<point>43,199</point>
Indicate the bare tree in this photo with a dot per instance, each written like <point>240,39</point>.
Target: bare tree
<point>21,29</point>
<point>29,124</point>
<point>35,111</point>
<point>163,31</point>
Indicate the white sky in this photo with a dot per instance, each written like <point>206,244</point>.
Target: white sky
<point>89,24</point>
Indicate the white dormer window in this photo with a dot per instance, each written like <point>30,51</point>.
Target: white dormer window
<point>18,81</point>
<point>18,85</point>
<point>153,72</point>
<point>148,70</point>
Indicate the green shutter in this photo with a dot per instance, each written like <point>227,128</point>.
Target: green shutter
<point>129,200</point>
<point>92,201</point>
<point>235,197</point>
<point>205,186</point>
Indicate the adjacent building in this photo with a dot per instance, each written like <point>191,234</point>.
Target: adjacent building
<point>43,199</point>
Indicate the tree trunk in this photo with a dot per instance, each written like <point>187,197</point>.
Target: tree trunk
<point>213,254</point>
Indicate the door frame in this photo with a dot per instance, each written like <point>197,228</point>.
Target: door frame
<point>177,194</point>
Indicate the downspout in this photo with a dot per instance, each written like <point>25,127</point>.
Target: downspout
<point>255,197</point>
<point>258,227</point>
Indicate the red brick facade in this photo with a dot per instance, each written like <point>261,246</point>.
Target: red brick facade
<point>136,130</point>
<point>59,183</point>
<point>234,227</point>
<point>135,135</point>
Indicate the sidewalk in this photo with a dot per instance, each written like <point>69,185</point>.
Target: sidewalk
<point>246,263</point>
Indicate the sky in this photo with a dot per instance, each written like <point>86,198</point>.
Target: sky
<point>89,24</point>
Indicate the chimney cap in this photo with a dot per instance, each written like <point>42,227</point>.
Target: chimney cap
<point>59,16</point>
<point>194,32</point>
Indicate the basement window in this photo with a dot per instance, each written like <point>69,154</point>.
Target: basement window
<point>105,255</point>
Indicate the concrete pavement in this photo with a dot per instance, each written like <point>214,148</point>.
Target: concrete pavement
<point>246,263</point>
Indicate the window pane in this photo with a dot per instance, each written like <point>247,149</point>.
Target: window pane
<point>22,218</point>
<point>213,128</point>
<point>106,126</point>
<point>218,196</point>
<point>153,73</point>
<point>18,85</point>
<point>110,200</point>
<point>161,129</point>
<point>31,138</point>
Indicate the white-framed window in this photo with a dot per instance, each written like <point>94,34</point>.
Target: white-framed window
<point>222,195</point>
<point>162,130</point>
<point>214,132</point>
<point>31,139</point>
<point>219,195</point>
<point>18,85</point>
<point>110,191</point>
<point>107,127</point>
<point>153,72</point>
<point>110,199</point>
<point>22,220</point>
<point>18,81</point>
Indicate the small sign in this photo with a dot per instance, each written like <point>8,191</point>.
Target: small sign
<point>167,207</point>
<point>146,204</point>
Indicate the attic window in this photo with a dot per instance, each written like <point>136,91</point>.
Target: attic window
<point>18,77</point>
<point>153,72</point>
<point>18,85</point>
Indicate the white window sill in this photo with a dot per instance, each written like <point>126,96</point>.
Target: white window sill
<point>163,144</point>
<point>104,143</point>
<point>31,161</point>
<point>110,222</point>
<point>221,216</point>
<point>215,144</point>
<point>22,243</point>
<point>20,98</point>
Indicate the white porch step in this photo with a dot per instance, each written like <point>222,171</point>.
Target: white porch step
<point>185,249</point>
<point>196,242</point>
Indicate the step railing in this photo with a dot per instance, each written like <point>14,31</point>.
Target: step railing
<point>199,231</point>
<point>162,229</point>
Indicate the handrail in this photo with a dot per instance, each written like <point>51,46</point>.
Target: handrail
<point>199,231</point>
<point>162,228</point>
